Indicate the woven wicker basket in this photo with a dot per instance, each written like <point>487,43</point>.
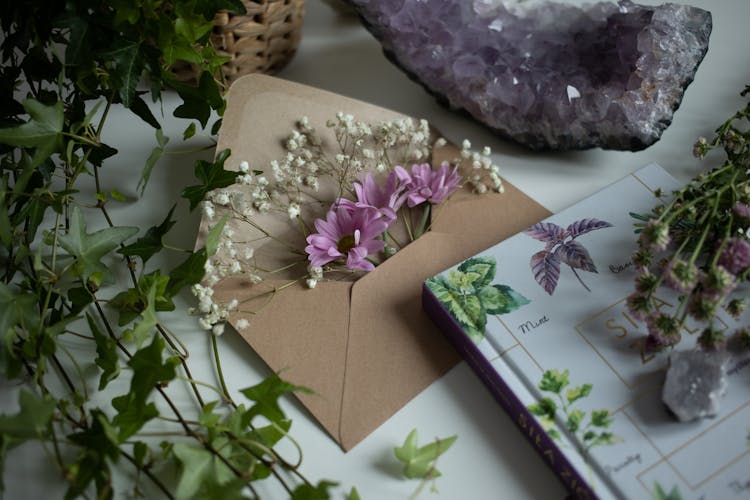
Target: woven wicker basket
<point>263,40</point>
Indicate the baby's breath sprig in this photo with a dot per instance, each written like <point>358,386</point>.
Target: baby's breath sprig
<point>698,246</point>
<point>295,191</point>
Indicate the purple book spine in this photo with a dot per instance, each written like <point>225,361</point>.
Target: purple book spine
<point>525,421</point>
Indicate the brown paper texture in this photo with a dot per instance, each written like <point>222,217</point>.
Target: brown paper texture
<point>365,347</point>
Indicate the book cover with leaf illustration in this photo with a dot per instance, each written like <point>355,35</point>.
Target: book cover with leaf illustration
<point>541,318</point>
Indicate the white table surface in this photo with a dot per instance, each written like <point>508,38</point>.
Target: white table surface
<point>491,459</point>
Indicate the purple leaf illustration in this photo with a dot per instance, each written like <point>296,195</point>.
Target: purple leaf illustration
<point>546,231</point>
<point>576,256</point>
<point>584,226</point>
<point>546,269</point>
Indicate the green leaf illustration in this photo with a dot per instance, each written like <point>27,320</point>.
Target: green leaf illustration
<point>546,407</point>
<point>605,438</point>
<point>466,309</point>
<point>554,381</point>
<point>419,461</point>
<point>600,418</point>
<point>461,282</point>
<point>660,494</point>
<point>574,420</point>
<point>483,267</point>
<point>574,394</point>
<point>501,299</point>
<point>89,248</point>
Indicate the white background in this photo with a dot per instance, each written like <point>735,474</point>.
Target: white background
<point>490,459</point>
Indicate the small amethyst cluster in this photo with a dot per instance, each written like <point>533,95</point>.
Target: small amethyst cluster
<point>549,75</point>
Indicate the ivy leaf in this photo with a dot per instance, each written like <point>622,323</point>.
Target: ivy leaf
<point>484,267</point>
<point>189,272</point>
<point>353,494</point>
<point>156,153</point>
<point>198,102</point>
<point>575,255</point>
<point>128,66</point>
<point>189,132</point>
<point>546,269</point>
<point>150,243</point>
<point>554,381</point>
<point>88,249</point>
<point>198,466</point>
<point>31,420</point>
<point>419,462</point>
<point>600,418</point>
<point>546,407</point>
<point>43,131</point>
<point>106,354</point>
<point>547,232</point>
<point>574,420</point>
<point>584,226</point>
<point>310,492</point>
<point>266,396</point>
<point>212,176</point>
<point>141,109</point>
<point>574,394</point>
<point>100,437</point>
<point>501,299</point>
<point>214,236</point>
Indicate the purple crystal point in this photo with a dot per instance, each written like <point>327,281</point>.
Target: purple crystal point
<point>549,75</point>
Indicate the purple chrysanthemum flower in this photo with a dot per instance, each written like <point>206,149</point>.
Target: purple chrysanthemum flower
<point>735,255</point>
<point>347,234</point>
<point>387,199</point>
<point>427,185</point>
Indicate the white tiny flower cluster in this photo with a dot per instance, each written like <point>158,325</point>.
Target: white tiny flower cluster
<point>290,188</point>
<point>485,175</point>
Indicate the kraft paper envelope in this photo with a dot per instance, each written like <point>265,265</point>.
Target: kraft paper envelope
<point>364,347</point>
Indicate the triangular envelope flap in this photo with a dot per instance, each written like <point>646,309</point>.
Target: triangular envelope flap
<point>394,349</point>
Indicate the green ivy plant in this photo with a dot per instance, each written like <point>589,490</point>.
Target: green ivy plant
<point>593,433</point>
<point>64,66</point>
<point>469,296</point>
<point>420,461</point>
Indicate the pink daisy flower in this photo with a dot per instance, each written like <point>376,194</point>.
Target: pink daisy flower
<point>349,235</point>
<point>425,184</point>
<point>387,199</point>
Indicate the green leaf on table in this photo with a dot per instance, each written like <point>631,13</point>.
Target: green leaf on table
<point>310,492</point>
<point>156,153</point>
<point>152,242</point>
<point>554,381</point>
<point>198,466</point>
<point>419,462</point>
<point>483,268</point>
<point>576,393</point>
<point>212,176</point>
<point>266,396</point>
<point>106,354</point>
<point>43,131</point>
<point>88,249</point>
<point>500,299</point>
<point>214,236</point>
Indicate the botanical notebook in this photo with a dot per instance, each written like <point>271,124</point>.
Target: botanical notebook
<point>541,318</point>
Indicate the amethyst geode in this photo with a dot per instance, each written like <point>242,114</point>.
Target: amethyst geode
<point>549,75</point>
